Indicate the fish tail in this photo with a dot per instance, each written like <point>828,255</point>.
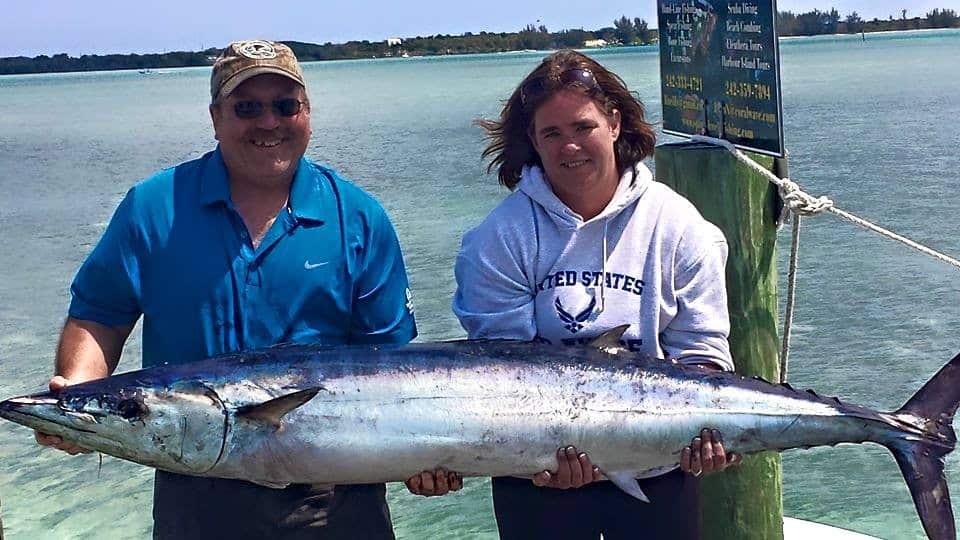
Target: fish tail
<point>920,457</point>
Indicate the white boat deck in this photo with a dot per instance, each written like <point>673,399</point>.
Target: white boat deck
<point>798,529</point>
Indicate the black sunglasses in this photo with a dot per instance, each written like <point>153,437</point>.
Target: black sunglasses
<point>285,107</point>
<point>536,88</point>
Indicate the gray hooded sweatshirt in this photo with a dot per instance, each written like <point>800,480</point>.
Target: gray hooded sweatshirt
<point>534,269</point>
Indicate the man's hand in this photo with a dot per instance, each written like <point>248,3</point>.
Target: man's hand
<point>57,384</point>
<point>706,454</point>
<point>434,483</point>
<point>574,470</point>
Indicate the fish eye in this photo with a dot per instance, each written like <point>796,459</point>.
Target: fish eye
<point>131,408</point>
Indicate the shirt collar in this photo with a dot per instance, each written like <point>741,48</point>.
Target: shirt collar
<point>214,183</point>
<point>311,196</point>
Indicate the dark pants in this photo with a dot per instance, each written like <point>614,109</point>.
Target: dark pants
<point>525,511</point>
<point>189,507</point>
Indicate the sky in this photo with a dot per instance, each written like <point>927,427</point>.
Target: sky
<point>33,27</point>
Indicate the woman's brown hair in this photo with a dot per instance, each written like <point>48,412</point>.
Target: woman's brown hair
<point>510,147</point>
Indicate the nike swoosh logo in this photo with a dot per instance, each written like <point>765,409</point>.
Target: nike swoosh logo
<point>308,266</point>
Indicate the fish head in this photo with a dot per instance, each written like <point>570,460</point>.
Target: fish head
<point>178,427</point>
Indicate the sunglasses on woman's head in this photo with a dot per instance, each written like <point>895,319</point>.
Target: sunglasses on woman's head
<point>536,88</point>
<point>249,109</point>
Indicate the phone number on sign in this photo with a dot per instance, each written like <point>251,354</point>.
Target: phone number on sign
<point>683,82</point>
<point>741,89</point>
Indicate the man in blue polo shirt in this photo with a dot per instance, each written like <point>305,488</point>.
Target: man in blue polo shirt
<point>249,246</point>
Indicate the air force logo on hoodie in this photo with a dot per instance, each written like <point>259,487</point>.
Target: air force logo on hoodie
<point>574,322</point>
<point>574,310</point>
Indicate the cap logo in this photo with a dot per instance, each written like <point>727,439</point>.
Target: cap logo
<point>257,50</point>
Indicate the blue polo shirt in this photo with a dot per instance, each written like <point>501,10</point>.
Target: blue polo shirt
<point>176,251</point>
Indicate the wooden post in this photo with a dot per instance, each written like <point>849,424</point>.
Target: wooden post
<point>743,502</point>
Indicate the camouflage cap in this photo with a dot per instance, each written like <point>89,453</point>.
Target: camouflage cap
<point>244,59</point>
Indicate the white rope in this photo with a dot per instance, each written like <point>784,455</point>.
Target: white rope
<point>791,296</point>
<point>803,204</point>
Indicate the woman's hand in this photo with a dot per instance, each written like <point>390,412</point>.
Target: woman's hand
<point>574,470</point>
<point>434,483</point>
<point>706,454</point>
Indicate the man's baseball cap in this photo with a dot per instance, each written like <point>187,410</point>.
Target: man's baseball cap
<point>244,59</point>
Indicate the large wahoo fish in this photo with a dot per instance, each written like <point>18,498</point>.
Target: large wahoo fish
<point>307,414</point>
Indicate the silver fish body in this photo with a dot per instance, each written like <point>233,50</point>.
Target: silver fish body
<point>397,413</point>
<point>306,414</point>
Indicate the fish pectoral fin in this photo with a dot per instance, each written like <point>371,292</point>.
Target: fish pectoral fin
<point>627,482</point>
<point>273,411</point>
<point>609,340</point>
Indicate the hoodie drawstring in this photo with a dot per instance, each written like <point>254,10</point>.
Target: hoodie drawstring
<point>603,268</point>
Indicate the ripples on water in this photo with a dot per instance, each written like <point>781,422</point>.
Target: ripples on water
<point>872,125</point>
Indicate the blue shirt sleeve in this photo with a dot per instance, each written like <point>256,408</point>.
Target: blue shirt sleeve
<point>382,304</point>
<point>106,289</point>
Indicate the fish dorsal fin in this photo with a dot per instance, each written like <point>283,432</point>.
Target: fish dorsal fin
<point>272,412</point>
<point>627,482</point>
<point>609,341</point>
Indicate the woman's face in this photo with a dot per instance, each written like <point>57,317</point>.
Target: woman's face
<point>574,139</point>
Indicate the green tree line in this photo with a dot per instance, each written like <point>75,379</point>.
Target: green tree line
<point>62,62</point>
<point>818,22</point>
<point>625,31</point>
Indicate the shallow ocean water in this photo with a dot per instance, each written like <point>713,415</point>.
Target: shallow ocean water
<point>871,125</point>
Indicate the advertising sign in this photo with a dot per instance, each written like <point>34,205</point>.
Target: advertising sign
<point>720,71</point>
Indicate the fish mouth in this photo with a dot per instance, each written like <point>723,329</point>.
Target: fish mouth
<point>44,413</point>
<point>14,403</point>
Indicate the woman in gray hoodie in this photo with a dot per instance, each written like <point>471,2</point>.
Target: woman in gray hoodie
<point>588,241</point>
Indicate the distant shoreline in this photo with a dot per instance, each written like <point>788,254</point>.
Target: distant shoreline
<point>156,63</point>
<point>875,32</point>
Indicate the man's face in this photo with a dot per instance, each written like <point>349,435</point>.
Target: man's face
<point>263,150</point>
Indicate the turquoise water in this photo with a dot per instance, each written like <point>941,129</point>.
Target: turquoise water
<point>872,125</point>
